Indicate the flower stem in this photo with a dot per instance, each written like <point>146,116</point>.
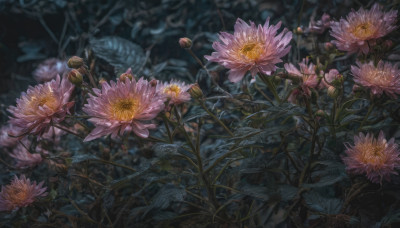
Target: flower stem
<point>215,118</point>
<point>270,84</point>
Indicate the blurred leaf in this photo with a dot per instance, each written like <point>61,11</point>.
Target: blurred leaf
<point>321,204</point>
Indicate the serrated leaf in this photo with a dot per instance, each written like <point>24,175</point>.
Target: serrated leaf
<point>119,52</point>
<point>83,157</point>
<point>322,204</point>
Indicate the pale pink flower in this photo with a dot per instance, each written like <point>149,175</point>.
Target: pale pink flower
<point>376,158</point>
<point>175,91</point>
<point>41,106</point>
<point>5,139</point>
<point>251,48</point>
<point>359,31</point>
<point>49,69</point>
<point>25,159</point>
<point>319,26</point>
<point>330,77</point>
<point>123,106</point>
<point>384,78</point>
<point>20,193</point>
<point>53,134</point>
<point>307,74</point>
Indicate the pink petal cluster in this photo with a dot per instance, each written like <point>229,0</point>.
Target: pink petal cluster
<point>123,106</point>
<point>307,73</point>
<point>319,26</point>
<point>175,91</point>
<point>49,69</point>
<point>251,48</point>
<point>20,193</point>
<point>383,78</point>
<point>330,77</point>
<point>376,158</point>
<point>41,106</point>
<point>359,31</point>
<point>5,139</point>
<point>25,159</point>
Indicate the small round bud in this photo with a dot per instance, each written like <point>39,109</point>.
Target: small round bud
<point>332,92</point>
<point>195,91</point>
<point>277,79</point>
<point>102,81</point>
<point>299,30</point>
<point>328,46</point>
<point>320,113</point>
<point>125,76</point>
<point>153,82</point>
<point>75,62</point>
<point>185,43</point>
<point>356,88</point>
<point>75,77</point>
<point>388,44</point>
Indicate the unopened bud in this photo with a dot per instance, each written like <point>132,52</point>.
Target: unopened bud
<point>332,92</point>
<point>320,113</point>
<point>328,46</point>
<point>185,42</point>
<point>102,81</point>
<point>125,76</point>
<point>153,82</point>
<point>75,77</point>
<point>277,79</point>
<point>75,62</point>
<point>388,44</point>
<point>356,88</point>
<point>195,91</point>
<point>299,30</point>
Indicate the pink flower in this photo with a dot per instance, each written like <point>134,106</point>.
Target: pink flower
<point>175,91</point>
<point>251,48</point>
<point>41,106</point>
<point>5,139</point>
<point>376,158</point>
<point>20,193</point>
<point>49,69</point>
<point>306,73</point>
<point>330,77</point>
<point>23,158</point>
<point>123,106</point>
<point>384,78</point>
<point>319,26</point>
<point>361,29</point>
<point>53,134</point>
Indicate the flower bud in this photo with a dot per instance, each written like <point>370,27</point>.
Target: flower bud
<point>75,77</point>
<point>75,62</point>
<point>195,91</point>
<point>328,46</point>
<point>153,82</point>
<point>320,113</point>
<point>185,43</point>
<point>125,76</point>
<point>299,30</point>
<point>102,80</point>
<point>332,92</point>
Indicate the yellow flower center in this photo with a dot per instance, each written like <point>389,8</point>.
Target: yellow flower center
<point>379,77</point>
<point>364,30</point>
<point>17,194</point>
<point>172,90</point>
<point>46,99</point>
<point>251,51</point>
<point>372,153</point>
<point>124,109</point>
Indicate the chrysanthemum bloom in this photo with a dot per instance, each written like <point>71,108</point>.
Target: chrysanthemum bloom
<point>251,48</point>
<point>306,73</point>
<point>5,139</point>
<point>175,91</point>
<point>53,134</point>
<point>376,158</point>
<point>384,78</point>
<point>123,106</point>
<point>319,26</point>
<point>23,158</point>
<point>41,106</point>
<point>49,69</point>
<point>20,193</point>
<point>359,31</point>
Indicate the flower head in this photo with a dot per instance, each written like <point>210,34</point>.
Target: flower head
<point>5,139</point>
<point>20,193</point>
<point>23,158</point>
<point>319,26</point>
<point>41,106</point>
<point>49,69</point>
<point>175,91</point>
<point>384,78</point>
<point>307,73</point>
<point>330,78</point>
<point>251,48</point>
<point>360,29</point>
<point>123,106</point>
<point>376,158</point>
